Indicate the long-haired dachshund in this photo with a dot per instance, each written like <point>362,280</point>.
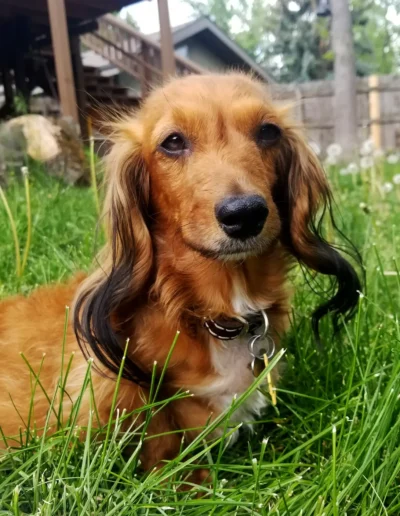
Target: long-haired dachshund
<point>212,194</point>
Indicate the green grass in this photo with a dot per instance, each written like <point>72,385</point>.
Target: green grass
<point>330,447</point>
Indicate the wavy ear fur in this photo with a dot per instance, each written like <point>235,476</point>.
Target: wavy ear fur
<point>127,259</point>
<point>301,194</point>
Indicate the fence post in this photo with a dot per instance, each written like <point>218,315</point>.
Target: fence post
<point>375,111</point>
<point>300,105</point>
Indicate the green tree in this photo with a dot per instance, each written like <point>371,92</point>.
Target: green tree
<point>283,36</point>
<point>288,39</point>
<point>377,35</point>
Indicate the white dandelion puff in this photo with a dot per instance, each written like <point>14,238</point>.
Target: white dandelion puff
<point>366,162</point>
<point>334,150</point>
<point>353,168</point>
<point>392,159</point>
<point>331,160</point>
<point>344,172</point>
<point>379,153</point>
<point>367,148</point>
<point>315,148</point>
<point>396,179</point>
<point>387,187</point>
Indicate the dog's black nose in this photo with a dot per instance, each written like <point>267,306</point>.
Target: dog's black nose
<point>242,216</point>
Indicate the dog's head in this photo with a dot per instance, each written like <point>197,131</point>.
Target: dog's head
<point>211,161</point>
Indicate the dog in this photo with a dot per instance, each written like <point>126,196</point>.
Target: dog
<point>212,195</point>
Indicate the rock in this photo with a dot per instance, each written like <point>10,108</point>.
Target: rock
<point>56,144</point>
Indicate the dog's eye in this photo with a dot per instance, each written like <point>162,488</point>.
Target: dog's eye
<point>268,134</point>
<point>175,144</point>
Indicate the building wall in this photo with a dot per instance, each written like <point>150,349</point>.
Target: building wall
<point>201,55</point>
<point>192,50</point>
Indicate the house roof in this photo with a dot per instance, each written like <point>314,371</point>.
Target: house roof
<point>222,45</point>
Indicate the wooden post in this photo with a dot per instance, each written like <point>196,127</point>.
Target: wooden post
<point>79,78</point>
<point>167,46</point>
<point>375,111</point>
<point>62,58</point>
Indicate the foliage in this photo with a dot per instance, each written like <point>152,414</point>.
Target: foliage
<point>128,18</point>
<point>293,44</point>
<point>376,35</point>
<point>332,446</point>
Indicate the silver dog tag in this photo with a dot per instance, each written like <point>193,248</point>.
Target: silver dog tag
<point>260,346</point>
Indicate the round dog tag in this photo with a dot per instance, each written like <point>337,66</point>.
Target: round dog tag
<point>260,346</point>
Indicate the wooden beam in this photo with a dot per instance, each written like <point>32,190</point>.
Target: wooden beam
<point>80,9</point>
<point>167,45</point>
<point>62,58</point>
<point>74,29</point>
<point>10,12</point>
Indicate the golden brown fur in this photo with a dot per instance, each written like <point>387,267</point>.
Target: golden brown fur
<point>164,267</point>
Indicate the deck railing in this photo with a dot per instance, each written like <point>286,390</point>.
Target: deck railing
<point>132,52</point>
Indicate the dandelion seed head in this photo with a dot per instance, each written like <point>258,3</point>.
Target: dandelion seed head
<point>387,187</point>
<point>353,168</point>
<point>334,150</point>
<point>367,148</point>
<point>396,179</point>
<point>392,159</point>
<point>315,148</point>
<point>331,160</point>
<point>379,153</point>
<point>366,162</point>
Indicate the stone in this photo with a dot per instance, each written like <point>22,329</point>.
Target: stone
<point>55,143</point>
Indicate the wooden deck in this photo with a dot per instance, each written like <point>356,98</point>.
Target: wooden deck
<point>29,26</point>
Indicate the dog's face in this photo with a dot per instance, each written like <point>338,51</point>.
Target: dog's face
<point>211,162</point>
<point>211,147</point>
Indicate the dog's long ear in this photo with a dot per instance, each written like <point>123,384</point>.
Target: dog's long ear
<point>303,197</point>
<point>127,258</point>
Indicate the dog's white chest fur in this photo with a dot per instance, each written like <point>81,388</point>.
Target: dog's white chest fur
<point>231,362</point>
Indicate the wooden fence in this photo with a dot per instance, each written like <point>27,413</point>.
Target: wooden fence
<point>378,109</point>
